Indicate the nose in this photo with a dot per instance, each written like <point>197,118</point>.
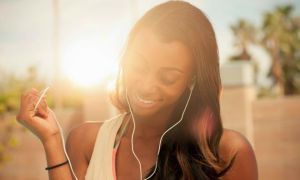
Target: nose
<point>148,84</point>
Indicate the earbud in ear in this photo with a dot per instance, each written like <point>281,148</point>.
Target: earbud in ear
<point>191,87</point>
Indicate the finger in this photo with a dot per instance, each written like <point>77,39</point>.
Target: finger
<point>32,100</point>
<point>37,94</point>
<point>25,94</point>
<point>34,91</point>
<point>44,104</point>
<point>43,109</point>
<point>27,104</point>
<point>30,103</point>
<point>29,98</point>
<point>30,91</point>
<point>42,114</point>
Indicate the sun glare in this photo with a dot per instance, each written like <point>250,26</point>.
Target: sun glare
<point>87,63</point>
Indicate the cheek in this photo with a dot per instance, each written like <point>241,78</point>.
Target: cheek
<point>130,78</point>
<point>174,93</point>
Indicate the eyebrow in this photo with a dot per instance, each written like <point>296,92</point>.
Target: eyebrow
<point>165,68</point>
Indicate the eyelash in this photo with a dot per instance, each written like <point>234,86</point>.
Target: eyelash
<point>166,81</point>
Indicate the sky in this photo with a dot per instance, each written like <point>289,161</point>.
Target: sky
<point>99,28</point>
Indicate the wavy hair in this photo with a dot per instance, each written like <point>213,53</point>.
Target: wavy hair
<point>190,150</point>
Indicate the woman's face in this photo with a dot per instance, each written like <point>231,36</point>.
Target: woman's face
<point>156,73</point>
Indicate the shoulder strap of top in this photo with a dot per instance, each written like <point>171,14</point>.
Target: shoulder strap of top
<point>100,165</point>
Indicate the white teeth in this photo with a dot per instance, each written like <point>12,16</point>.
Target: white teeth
<point>144,100</point>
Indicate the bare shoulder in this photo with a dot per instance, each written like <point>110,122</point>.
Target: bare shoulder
<point>83,138</point>
<point>233,141</point>
<point>244,166</point>
<point>80,145</point>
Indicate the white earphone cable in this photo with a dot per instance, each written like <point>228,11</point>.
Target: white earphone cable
<point>64,147</point>
<point>132,135</point>
<point>159,146</point>
<point>60,128</point>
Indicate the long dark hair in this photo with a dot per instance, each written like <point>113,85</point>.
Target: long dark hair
<point>191,150</point>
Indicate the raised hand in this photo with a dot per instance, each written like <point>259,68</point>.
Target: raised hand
<point>41,122</point>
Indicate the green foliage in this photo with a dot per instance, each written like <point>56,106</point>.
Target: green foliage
<point>11,89</point>
<point>2,108</point>
<point>245,34</point>
<point>279,35</point>
<point>281,38</point>
<point>10,93</point>
<point>8,139</point>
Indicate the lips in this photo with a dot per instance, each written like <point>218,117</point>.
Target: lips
<point>143,102</point>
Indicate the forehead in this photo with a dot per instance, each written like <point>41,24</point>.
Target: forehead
<point>161,54</point>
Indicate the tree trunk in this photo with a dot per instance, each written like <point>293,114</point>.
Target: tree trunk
<point>277,73</point>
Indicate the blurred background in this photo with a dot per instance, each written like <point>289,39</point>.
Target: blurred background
<point>74,46</point>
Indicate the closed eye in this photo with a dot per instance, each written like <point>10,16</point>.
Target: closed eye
<point>169,77</point>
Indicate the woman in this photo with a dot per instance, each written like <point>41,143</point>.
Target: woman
<point>168,93</point>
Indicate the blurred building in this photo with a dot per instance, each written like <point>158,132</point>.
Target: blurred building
<point>271,125</point>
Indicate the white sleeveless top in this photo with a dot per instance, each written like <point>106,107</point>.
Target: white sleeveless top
<point>101,165</point>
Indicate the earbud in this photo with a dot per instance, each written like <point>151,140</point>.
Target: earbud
<point>191,87</point>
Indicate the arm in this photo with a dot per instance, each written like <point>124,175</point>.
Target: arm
<point>55,155</point>
<point>79,147</point>
<point>43,124</point>
<point>244,166</point>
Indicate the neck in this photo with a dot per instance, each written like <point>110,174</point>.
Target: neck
<point>150,127</point>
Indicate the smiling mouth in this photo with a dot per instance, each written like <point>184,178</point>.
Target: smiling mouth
<point>145,102</point>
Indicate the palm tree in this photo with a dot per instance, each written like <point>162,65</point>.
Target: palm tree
<point>245,34</point>
<point>280,37</point>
